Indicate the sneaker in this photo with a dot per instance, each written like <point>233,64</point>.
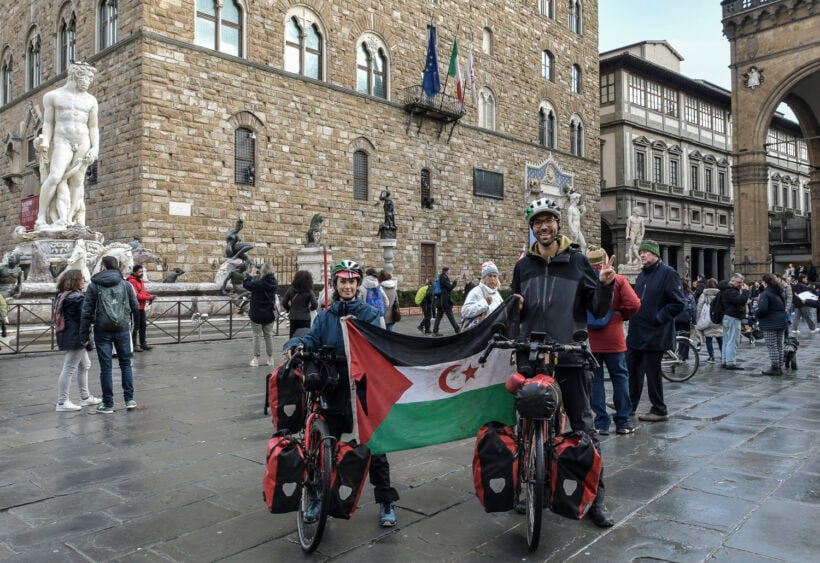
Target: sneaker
<point>68,406</point>
<point>652,417</point>
<point>387,515</point>
<point>270,361</point>
<point>102,409</point>
<point>137,349</point>
<point>710,359</point>
<point>814,330</point>
<point>733,367</point>
<point>601,517</point>
<point>254,362</point>
<point>311,515</point>
<point>795,332</point>
<point>91,400</point>
<point>603,432</point>
<point>130,405</point>
<point>146,347</point>
<point>625,430</point>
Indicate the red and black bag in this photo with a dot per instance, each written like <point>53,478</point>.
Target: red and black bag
<point>576,469</point>
<point>495,467</point>
<point>538,397</point>
<point>287,400</point>
<point>347,481</point>
<point>284,474</point>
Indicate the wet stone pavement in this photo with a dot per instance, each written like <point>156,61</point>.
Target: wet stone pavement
<point>734,475</point>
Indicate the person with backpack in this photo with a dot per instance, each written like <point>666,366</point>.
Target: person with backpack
<point>704,325</point>
<point>424,298</point>
<point>110,304</point>
<point>299,302</point>
<point>375,295</point>
<point>327,331</point>
<point>444,302</point>
<point>68,307</point>
<point>734,295</point>
<point>262,313</point>
<point>388,285</point>
<point>143,297</point>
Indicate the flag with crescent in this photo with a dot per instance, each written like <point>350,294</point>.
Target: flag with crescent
<point>409,392</point>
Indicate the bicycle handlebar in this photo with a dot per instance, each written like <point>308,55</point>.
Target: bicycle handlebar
<point>552,347</point>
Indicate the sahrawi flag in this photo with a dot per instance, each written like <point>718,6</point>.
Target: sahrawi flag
<point>455,70</point>
<point>408,392</point>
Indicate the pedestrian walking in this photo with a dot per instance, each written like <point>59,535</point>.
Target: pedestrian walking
<point>733,297</point>
<point>771,313</point>
<point>388,284</point>
<point>704,325</point>
<point>143,298</point>
<point>444,302</point>
<point>263,287</point>
<point>299,301</point>
<point>803,305</point>
<point>68,306</point>
<point>425,299</point>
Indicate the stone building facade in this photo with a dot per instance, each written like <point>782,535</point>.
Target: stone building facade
<point>274,110</point>
<point>666,146</point>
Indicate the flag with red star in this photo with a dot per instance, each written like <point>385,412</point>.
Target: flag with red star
<point>408,392</point>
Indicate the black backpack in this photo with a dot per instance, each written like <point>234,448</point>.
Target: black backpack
<point>716,309</point>
<point>113,308</point>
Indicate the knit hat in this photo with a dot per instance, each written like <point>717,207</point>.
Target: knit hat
<point>595,255</point>
<point>650,246</point>
<point>488,268</point>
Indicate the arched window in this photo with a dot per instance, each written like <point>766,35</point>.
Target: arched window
<point>546,126</point>
<point>219,26</point>
<point>424,189</point>
<point>575,16</point>
<point>547,8</point>
<point>487,41</point>
<point>68,41</point>
<point>486,109</point>
<point>547,65</point>
<point>360,175</point>
<point>108,11</point>
<point>372,68</point>
<point>245,156</point>
<point>303,48</point>
<point>576,79</point>
<point>8,74</point>
<point>33,61</point>
<point>576,136</point>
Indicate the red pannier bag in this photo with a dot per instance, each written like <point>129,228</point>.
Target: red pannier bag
<point>495,467</point>
<point>284,474</point>
<point>576,469</point>
<point>347,481</point>
<point>287,399</point>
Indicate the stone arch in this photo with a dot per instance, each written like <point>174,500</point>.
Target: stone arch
<point>247,119</point>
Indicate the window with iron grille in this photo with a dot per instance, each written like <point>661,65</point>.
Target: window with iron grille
<point>360,175</point>
<point>640,166</point>
<point>693,178</point>
<point>245,157</point>
<point>488,184</point>
<point>424,189</point>
<point>657,169</point>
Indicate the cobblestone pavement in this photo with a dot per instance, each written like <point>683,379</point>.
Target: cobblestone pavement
<point>734,475</point>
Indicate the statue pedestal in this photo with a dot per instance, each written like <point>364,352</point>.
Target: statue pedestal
<point>630,271</point>
<point>312,259</point>
<point>55,247</point>
<point>388,245</point>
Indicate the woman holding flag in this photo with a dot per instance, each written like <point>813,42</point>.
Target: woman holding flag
<point>327,331</point>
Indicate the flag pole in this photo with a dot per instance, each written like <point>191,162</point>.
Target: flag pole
<point>446,80</point>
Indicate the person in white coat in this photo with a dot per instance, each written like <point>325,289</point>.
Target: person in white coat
<point>482,299</point>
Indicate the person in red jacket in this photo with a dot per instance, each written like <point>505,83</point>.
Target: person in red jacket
<point>135,279</point>
<point>607,342</point>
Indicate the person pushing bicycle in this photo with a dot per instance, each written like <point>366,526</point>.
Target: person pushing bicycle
<point>556,287</point>
<point>347,276</point>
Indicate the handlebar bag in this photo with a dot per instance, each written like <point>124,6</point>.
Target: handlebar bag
<point>539,397</point>
<point>495,467</point>
<point>348,476</point>
<point>574,474</point>
<point>287,400</point>
<point>320,375</point>
<point>284,474</point>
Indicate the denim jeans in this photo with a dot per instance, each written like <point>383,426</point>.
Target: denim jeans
<point>105,340</point>
<point>616,366</point>
<point>710,349</point>
<point>731,332</point>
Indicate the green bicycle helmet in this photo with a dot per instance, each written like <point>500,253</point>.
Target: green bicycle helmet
<point>347,269</point>
<point>543,205</point>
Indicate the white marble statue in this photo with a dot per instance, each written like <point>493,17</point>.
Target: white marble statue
<point>68,145</point>
<point>634,235</point>
<point>79,259</point>
<point>573,213</point>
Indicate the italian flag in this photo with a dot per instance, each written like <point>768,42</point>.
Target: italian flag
<point>408,392</point>
<point>455,70</point>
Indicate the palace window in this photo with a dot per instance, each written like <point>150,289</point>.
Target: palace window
<point>576,136</point>
<point>657,169</point>
<point>245,156</point>
<point>487,41</point>
<point>360,175</point>
<point>637,90</point>
<point>546,126</point>
<point>547,8</point>
<point>693,178</point>
<point>371,69</point>
<point>691,110</point>
<point>608,88</point>
<point>722,183</point>
<point>575,16</point>
<point>653,96</point>
<point>670,102</point>
<point>547,61</point>
<point>775,193</point>
<point>486,109</point>
<point>640,165</point>
<point>33,62</point>
<point>673,172</point>
<point>108,11</point>
<point>8,74</point>
<point>707,180</point>
<point>68,42</point>
<point>424,191</point>
<point>219,26</point>
<point>576,79</point>
<point>303,48</point>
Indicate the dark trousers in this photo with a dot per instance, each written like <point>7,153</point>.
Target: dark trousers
<point>379,466</point>
<point>296,324</point>
<point>427,312</point>
<point>140,325</point>
<point>446,310</point>
<point>646,363</point>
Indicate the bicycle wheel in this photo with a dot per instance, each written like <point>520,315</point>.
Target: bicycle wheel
<point>680,364</point>
<point>316,487</point>
<point>535,483</point>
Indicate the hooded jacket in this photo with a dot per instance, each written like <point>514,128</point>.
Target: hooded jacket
<point>72,308</point>
<point>105,278</point>
<point>705,300</point>
<point>475,303</point>
<point>558,292</point>
<point>263,298</point>
<point>370,282</point>
<point>389,288</point>
<point>143,296</point>
<point>771,310</point>
<point>733,300</point>
<point>653,327</point>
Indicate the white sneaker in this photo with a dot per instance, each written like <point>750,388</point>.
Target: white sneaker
<point>795,332</point>
<point>815,330</point>
<point>68,406</point>
<point>91,400</point>
<point>270,361</point>
<point>254,362</point>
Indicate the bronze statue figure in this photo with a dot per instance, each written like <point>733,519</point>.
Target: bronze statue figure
<point>314,233</point>
<point>234,247</point>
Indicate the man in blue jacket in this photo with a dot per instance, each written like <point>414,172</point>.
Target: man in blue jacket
<point>652,329</point>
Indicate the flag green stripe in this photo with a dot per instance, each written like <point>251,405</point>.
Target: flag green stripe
<point>414,425</point>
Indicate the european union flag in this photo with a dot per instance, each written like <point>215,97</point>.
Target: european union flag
<point>430,82</point>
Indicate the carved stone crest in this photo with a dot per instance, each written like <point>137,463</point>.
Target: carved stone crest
<point>753,78</point>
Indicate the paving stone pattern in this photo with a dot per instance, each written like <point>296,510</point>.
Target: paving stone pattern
<point>733,476</point>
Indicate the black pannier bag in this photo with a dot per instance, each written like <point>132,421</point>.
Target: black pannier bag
<point>538,398</point>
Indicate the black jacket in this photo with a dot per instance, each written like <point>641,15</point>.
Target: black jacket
<point>105,278</point>
<point>69,338</point>
<point>653,327</point>
<point>771,310</point>
<point>299,304</point>
<point>446,287</point>
<point>263,298</point>
<point>732,300</point>
<point>559,292</point>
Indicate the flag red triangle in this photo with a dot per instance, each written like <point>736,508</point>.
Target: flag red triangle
<point>384,384</point>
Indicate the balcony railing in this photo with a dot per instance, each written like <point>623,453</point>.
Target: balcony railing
<point>738,6</point>
<point>443,108</point>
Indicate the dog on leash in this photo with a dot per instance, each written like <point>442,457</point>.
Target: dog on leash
<point>790,352</point>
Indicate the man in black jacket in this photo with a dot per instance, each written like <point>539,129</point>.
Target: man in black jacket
<point>733,297</point>
<point>557,286</point>
<point>445,302</point>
